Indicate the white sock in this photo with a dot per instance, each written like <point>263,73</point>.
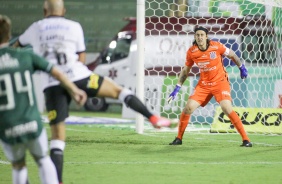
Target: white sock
<point>47,171</point>
<point>20,176</point>
<point>124,93</point>
<point>57,144</point>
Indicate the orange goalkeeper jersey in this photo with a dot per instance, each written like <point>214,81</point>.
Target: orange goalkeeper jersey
<point>209,62</point>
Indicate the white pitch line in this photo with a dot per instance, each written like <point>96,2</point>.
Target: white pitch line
<point>4,162</point>
<point>76,130</point>
<point>162,163</point>
<point>173,163</point>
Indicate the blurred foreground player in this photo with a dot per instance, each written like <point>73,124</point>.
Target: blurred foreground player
<point>21,128</point>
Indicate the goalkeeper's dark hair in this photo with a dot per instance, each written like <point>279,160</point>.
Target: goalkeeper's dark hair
<point>5,29</point>
<point>202,29</point>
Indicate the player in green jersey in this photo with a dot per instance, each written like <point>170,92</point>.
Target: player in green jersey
<point>21,128</point>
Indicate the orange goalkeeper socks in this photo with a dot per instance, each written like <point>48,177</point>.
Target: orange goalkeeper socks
<point>236,121</point>
<point>183,122</point>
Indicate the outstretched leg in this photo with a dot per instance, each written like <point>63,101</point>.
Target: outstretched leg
<point>110,89</point>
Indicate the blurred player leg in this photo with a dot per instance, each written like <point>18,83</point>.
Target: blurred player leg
<point>57,146</point>
<point>47,170</point>
<point>110,89</point>
<point>20,175</point>
<point>39,150</point>
<point>16,155</point>
<point>57,101</point>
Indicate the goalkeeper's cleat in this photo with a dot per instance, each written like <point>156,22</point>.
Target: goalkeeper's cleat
<point>176,141</point>
<point>246,143</point>
<point>159,122</point>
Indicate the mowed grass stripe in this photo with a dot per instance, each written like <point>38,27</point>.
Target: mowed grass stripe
<point>168,134</point>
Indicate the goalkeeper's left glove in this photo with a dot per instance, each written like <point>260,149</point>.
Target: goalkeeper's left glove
<point>243,71</point>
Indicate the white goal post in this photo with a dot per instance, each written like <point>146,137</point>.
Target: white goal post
<point>252,28</point>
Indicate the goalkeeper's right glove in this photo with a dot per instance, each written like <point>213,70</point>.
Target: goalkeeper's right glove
<point>174,93</point>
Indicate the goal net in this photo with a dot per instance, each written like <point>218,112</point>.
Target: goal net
<point>252,28</point>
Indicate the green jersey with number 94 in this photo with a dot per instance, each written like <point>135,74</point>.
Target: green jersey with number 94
<point>20,119</point>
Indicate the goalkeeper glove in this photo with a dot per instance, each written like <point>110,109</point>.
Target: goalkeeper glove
<point>243,71</point>
<point>174,93</point>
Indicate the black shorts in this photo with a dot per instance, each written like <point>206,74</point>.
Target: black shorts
<point>57,99</point>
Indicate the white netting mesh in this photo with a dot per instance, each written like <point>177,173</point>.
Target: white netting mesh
<point>275,3</point>
<point>252,29</point>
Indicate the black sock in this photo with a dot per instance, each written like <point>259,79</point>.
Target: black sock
<point>134,103</point>
<point>57,156</point>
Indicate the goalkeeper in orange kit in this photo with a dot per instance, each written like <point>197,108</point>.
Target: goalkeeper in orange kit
<point>207,55</point>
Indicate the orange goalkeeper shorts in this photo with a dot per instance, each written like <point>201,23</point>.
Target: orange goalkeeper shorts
<point>203,93</point>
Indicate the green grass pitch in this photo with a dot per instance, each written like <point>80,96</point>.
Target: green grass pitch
<point>98,154</point>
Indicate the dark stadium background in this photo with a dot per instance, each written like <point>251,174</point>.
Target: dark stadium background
<point>100,19</point>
